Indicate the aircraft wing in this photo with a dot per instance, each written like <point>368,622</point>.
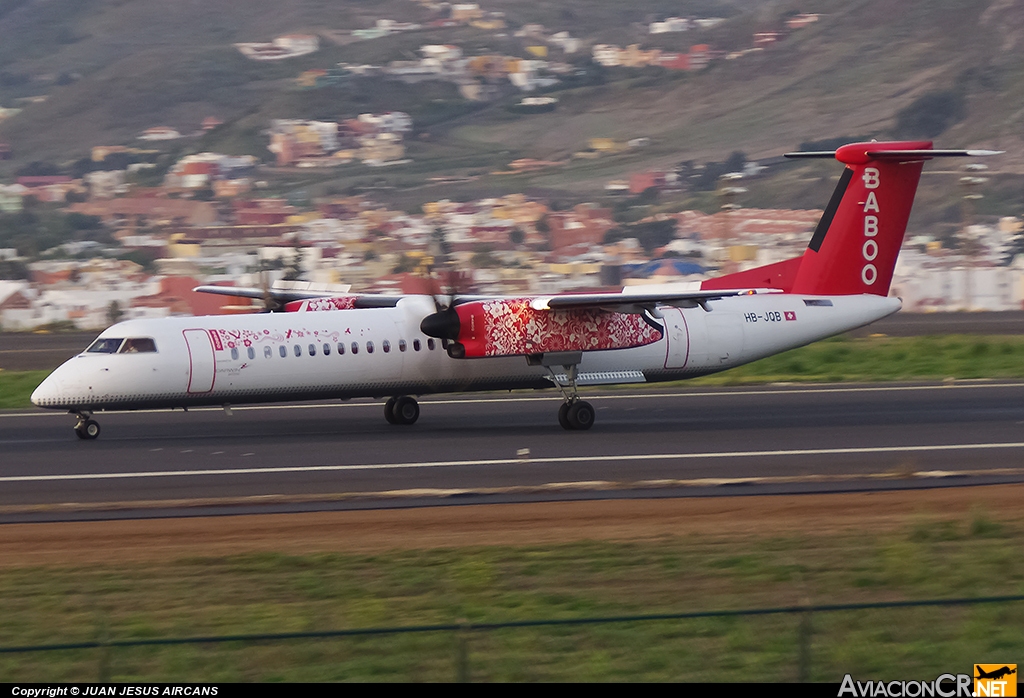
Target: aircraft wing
<point>622,302</point>
<point>634,301</point>
<point>281,296</point>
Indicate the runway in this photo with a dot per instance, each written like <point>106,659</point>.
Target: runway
<point>489,448</point>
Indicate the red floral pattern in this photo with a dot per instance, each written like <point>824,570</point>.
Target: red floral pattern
<point>338,303</point>
<point>319,304</point>
<point>513,327</point>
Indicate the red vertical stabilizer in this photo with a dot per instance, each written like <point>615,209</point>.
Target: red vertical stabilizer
<point>858,238</point>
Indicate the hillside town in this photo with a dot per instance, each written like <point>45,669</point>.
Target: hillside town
<point>141,237</point>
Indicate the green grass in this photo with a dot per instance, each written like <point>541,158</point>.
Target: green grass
<point>17,386</point>
<point>274,593</point>
<point>886,359</point>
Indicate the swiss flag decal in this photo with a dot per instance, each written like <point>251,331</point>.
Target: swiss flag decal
<point>790,315</point>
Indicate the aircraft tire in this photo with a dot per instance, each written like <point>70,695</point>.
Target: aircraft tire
<point>563,416</point>
<point>389,410</point>
<point>581,415</point>
<point>407,410</point>
<point>88,430</point>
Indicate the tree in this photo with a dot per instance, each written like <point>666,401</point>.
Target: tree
<point>81,167</point>
<point>931,114</point>
<point>37,168</point>
<point>484,258</point>
<point>650,234</point>
<point>736,162</point>
<point>406,264</point>
<point>114,312</point>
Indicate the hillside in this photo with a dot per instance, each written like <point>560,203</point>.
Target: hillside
<point>111,68</point>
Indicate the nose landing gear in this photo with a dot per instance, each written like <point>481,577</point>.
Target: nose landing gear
<point>87,428</point>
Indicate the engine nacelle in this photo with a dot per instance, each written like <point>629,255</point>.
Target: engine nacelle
<point>513,327</point>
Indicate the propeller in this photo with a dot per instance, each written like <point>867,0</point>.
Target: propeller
<point>441,253</point>
<point>270,304</point>
<point>443,324</point>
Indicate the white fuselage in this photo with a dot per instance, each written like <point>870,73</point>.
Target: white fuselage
<point>230,359</point>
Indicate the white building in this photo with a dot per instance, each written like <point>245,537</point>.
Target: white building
<point>671,24</point>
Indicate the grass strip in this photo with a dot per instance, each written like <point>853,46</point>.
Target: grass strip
<point>16,387</point>
<point>880,358</point>
<point>929,557</point>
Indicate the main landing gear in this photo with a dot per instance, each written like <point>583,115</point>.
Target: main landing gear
<point>574,414</point>
<point>87,428</point>
<point>401,409</point>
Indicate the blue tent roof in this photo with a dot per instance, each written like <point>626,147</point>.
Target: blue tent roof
<point>672,266</point>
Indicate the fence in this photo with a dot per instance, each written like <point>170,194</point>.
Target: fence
<point>464,630</point>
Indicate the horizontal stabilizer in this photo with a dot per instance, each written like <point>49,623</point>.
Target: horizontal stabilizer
<point>283,296</point>
<point>858,153</point>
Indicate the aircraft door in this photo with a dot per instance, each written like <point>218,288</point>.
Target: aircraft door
<point>678,337</point>
<point>202,366</point>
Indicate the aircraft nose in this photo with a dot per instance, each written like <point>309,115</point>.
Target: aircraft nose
<point>47,393</point>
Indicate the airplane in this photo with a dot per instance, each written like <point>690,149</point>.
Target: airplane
<point>995,674</point>
<point>400,347</point>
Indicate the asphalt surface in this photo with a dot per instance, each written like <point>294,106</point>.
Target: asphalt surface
<point>28,351</point>
<point>21,351</point>
<point>471,449</point>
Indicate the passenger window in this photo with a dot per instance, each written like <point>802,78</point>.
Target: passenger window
<point>369,347</point>
<point>401,345</point>
<point>234,354</point>
<point>430,344</point>
<point>283,351</point>
<point>327,350</point>
<point>341,348</point>
<point>298,350</point>
<point>312,350</point>
<point>416,345</point>
<point>251,353</point>
<point>267,352</point>
<point>105,345</point>
<point>386,346</point>
<point>138,345</point>
<point>355,347</point>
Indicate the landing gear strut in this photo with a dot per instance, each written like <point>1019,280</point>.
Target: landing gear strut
<point>574,414</point>
<point>401,409</point>
<point>86,428</point>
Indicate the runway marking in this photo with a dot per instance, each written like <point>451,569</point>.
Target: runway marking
<point>724,392</point>
<point>515,461</point>
<point>547,487</point>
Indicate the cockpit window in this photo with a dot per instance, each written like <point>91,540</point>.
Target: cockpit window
<point>138,345</point>
<point>105,345</point>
